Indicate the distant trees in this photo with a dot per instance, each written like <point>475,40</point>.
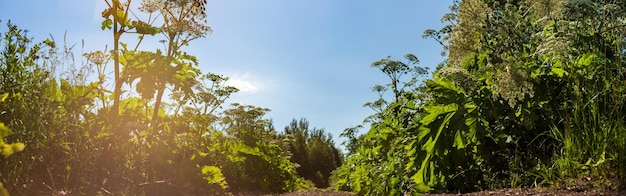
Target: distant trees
<point>313,151</point>
<point>256,159</point>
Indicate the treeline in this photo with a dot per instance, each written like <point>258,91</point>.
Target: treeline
<point>83,131</point>
<point>531,93</point>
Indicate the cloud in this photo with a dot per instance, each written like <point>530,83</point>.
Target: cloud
<point>243,85</point>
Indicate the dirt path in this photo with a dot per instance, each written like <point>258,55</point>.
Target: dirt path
<point>536,192</point>
<point>499,192</point>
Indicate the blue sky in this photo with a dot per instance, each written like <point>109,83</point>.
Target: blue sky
<point>300,58</point>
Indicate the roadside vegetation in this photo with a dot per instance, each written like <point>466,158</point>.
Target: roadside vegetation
<point>531,94</point>
<point>99,123</point>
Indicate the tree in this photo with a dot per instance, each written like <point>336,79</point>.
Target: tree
<point>314,152</point>
<point>256,145</point>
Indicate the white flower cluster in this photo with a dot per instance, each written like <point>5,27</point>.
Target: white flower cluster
<point>512,86</point>
<point>97,57</point>
<point>151,6</point>
<point>190,26</point>
<point>454,73</point>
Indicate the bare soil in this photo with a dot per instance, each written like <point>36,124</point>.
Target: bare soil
<point>537,192</point>
<point>317,192</point>
<point>503,192</point>
<point>577,187</point>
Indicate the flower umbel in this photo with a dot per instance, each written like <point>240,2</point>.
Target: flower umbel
<point>151,6</point>
<point>97,57</point>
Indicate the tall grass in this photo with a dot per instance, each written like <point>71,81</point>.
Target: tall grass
<point>593,133</point>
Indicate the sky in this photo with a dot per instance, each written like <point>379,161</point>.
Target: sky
<point>299,58</point>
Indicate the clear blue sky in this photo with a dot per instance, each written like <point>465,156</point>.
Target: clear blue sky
<point>299,58</point>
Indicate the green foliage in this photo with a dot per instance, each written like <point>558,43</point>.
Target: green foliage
<point>32,109</point>
<point>382,151</point>
<point>3,191</point>
<point>186,147</point>
<point>7,149</point>
<point>213,175</point>
<point>313,151</point>
<point>531,92</point>
<point>256,145</point>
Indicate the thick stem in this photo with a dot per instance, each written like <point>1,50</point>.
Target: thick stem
<point>116,62</point>
<point>157,105</point>
<point>170,52</point>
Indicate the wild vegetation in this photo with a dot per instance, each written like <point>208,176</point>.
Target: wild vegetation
<point>80,136</point>
<point>531,93</point>
<point>310,148</point>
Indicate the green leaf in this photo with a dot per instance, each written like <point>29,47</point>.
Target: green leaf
<point>8,149</point>
<point>423,175</point>
<point>557,72</point>
<point>586,60</point>
<point>473,128</point>
<point>470,107</point>
<point>107,12</point>
<point>107,24</point>
<point>536,73</point>
<point>435,111</point>
<point>213,175</point>
<point>430,147</point>
<point>49,43</point>
<point>4,131</point>
<point>145,28</point>
<point>3,97</point>
<point>3,191</point>
<point>419,177</point>
<point>443,86</point>
<point>459,142</point>
<point>122,18</point>
<point>21,49</point>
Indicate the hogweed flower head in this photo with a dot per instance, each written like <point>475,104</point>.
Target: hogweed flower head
<point>97,57</point>
<point>151,6</point>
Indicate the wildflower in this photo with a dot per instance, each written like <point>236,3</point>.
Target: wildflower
<point>151,6</point>
<point>97,57</point>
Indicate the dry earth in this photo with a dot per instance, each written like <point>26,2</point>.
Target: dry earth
<point>585,186</point>
<point>503,192</point>
<point>579,187</point>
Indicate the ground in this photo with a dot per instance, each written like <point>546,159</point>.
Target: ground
<point>575,187</point>
<point>499,192</point>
